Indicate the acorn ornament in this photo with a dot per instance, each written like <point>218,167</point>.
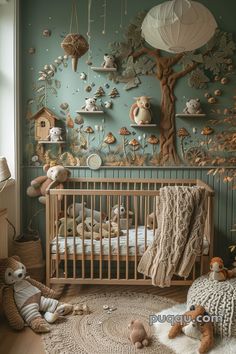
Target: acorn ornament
<point>75,45</point>
<point>212,100</point>
<point>224,80</point>
<point>218,92</point>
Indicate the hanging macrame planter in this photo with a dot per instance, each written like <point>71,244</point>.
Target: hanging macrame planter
<point>178,26</point>
<point>74,44</point>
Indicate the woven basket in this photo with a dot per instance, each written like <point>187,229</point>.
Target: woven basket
<point>37,272</point>
<point>30,252</point>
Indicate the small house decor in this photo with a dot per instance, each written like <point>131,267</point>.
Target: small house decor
<point>44,121</point>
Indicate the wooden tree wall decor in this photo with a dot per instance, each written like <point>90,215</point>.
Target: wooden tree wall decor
<point>203,66</point>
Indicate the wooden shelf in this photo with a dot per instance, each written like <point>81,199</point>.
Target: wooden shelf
<point>101,69</point>
<point>143,125</point>
<point>51,142</point>
<point>90,113</point>
<point>185,115</point>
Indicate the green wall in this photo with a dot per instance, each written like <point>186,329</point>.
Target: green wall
<point>55,15</point>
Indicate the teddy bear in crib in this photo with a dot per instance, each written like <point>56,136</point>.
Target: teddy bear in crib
<point>195,324</point>
<point>193,106</point>
<point>140,111</point>
<point>81,213</point>
<point>120,212</point>
<point>25,300</point>
<point>91,227</point>
<point>55,134</point>
<point>138,335</point>
<point>90,105</point>
<point>109,61</point>
<point>218,271</point>
<point>56,176</point>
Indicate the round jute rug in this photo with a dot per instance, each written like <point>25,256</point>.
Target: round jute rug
<point>106,333</point>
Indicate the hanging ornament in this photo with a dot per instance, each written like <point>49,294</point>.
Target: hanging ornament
<point>74,44</point>
<point>104,16</point>
<point>178,26</point>
<point>99,93</point>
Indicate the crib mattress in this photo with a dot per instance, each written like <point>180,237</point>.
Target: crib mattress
<point>113,243</point>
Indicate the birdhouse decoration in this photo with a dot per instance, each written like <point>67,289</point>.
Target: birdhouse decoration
<point>44,121</point>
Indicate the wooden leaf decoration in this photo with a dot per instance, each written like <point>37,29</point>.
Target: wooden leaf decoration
<point>198,79</point>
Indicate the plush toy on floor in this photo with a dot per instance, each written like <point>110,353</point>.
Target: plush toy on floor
<point>56,176</point>
<point>218,271</point>
<point>138,335</point>
<point>198,327</point>
<point>24,299</point>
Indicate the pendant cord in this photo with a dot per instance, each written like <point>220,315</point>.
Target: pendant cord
<point>74,15</point>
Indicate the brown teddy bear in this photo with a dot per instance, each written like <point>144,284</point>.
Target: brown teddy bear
<point>56,175</point>
<point>138,335</point>
<point>24,299</point>
<point>196,327</point>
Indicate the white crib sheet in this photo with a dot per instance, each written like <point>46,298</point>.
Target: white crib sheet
<point>105,244</point>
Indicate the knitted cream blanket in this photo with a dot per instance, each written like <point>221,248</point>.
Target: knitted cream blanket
<point>181,214</point>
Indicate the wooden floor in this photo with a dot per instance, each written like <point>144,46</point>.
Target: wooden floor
<point>27,342</point>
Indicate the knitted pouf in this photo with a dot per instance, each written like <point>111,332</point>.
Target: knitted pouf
<point>218,298</point>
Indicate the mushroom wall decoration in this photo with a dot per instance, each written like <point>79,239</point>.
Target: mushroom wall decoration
<point>182,134</point>
<point>124,132</point>
<point>154,141</point>
<point>178,26</point>
<point>109,140</point>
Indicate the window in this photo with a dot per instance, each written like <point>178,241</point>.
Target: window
<point>42,124</point>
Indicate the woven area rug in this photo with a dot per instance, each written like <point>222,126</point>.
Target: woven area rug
<point>104,333</point>
<point>185,345</point>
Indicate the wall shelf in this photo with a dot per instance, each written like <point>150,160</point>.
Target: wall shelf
<point>101,69</point>
<point>143,125</point>
<point>90,112</point>
<point>44,142</point>
<point>185,115</point>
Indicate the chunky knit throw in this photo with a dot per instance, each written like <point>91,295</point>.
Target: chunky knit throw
<point>181,214</point>
<point>218,298</point>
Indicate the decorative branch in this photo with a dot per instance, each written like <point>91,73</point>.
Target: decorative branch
<point>152,53</point>
<point>178,75</point>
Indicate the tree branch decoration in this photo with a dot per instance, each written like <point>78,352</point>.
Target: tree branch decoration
<point>202,67</point>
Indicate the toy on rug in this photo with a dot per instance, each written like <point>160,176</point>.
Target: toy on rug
<point>56,176</point>
<point>70,227</point>
<point>109,61</point>
<point>55,134</point>
<point>195,328</point>
<point>138,335</point>
<point>123,213</point>
<point>140,111</point>
<point>77,208</point>
<point>218,271</point>
<point>193,106</point>
<point>152,221</point>
<point>90,105</point>
<point>81,309</point>
<point>24,299</point>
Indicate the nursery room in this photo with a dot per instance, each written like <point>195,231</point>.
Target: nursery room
<point>117,177</point>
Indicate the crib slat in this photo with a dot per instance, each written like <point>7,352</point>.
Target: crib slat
<point>118,241</point>
<point>57,244</point>
<point>109,249</point>
<point>145,227</point>
<point>74,239</point>
<point>127,238</point>
<point>136,234</point>
<point>91,255</point>
<point>65,234</point>
<point>100,261</point>
<point>83,265</point>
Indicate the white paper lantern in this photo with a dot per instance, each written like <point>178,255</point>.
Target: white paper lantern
<point>178,26</point>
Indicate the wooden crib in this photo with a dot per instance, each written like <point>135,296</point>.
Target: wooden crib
<point>111,260</point>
